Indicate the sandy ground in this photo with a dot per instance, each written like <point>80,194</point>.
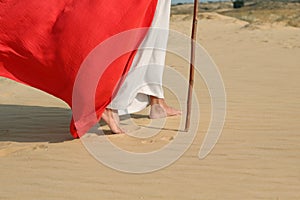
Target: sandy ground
<point>257,156</point>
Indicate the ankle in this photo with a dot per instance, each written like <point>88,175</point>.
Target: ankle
<point>155,100</point>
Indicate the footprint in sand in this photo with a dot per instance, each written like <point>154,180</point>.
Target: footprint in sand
<point>147,141</point>
<point>9,148</point>
<point>165,139</point>
<point>40,147</point>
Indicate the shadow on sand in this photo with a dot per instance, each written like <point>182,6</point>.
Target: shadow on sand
<point>20,123</point>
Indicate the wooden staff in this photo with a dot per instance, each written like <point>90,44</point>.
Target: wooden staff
<point>192,68</point>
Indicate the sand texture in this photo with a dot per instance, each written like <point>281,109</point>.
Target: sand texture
<point>256,157</point>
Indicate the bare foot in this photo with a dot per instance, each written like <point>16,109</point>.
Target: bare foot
<point>160,109</point>
<point>111,117</point>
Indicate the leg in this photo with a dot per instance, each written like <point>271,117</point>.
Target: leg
<point>160,109</point>
<point>111,117</point>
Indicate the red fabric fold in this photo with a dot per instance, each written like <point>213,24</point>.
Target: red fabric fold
<point>43,43</point>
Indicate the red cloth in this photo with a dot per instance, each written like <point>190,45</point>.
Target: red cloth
<point>43,43</point>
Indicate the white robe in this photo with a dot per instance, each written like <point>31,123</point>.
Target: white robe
<point>145,75</point>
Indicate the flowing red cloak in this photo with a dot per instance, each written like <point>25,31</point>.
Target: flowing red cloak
<point>43,43</point>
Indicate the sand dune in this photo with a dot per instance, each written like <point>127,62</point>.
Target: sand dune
<point>257,156</point>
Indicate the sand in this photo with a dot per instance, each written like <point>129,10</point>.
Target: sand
<point>256,157</point>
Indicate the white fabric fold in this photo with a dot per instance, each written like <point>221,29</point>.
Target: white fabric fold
<point>145,76</point>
